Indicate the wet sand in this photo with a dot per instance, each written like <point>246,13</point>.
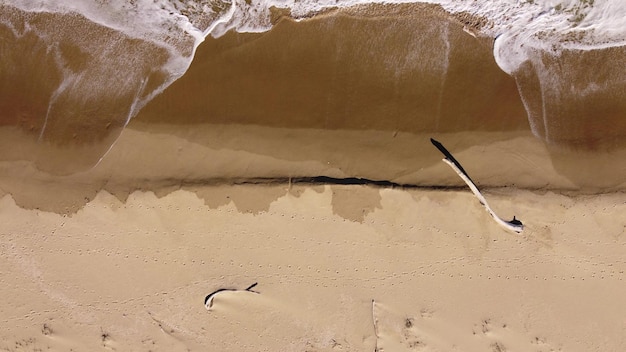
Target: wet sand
<point>163,158</point>
<point>356,69</point>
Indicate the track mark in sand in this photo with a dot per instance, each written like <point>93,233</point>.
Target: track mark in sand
<point>168,328</point>
<point>426,330</point>
<point>500,337</point>
<point>497,347</point>
<point>514,225</point>
<point>426,313</point>
<point>411,336</point>
<point>208,300</point>
<point>27,344</point>
<point>484,329</point>
<point>395,333</point>
<point>485,326</point>
<point>333,344</point>
<point>46,329</point>
<point>107,341</point>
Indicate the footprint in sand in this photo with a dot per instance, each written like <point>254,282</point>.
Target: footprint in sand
<point>46,330</point>
<point>107,341</point>
<point>395,333</point>
<point>425,330</point>
<point>501,337</point>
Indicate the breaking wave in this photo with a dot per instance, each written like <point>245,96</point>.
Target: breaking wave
<point>75,73</point>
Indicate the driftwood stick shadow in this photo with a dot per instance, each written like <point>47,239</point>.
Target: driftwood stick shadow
<point>514,225</point>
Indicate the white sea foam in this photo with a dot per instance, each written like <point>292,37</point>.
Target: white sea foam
<point>520,25</point>
<point>157,21</point>
<point>178,26</point>
<point>523,29</point>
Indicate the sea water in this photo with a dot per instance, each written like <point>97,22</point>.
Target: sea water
<point>77,72</point>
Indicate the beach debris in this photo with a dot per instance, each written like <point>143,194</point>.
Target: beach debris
<point>514,225</point>
<point>375,321</point>
<point>208,300</point>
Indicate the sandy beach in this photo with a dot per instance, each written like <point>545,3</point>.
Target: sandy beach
<point>350,268</point>
<point>121,256</point>
<point>232,176</point>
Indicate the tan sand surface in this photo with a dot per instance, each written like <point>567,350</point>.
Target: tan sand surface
<point>339,268</point>
<point>163,158</point>
<point>113,243</point>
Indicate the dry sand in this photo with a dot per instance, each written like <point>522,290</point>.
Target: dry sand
<point>339,268</point>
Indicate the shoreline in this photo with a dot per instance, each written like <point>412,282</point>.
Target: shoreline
<point>298,163</point>
<point>163,158</point>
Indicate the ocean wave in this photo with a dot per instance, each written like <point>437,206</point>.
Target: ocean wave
<point>94,65</point>
<point>550,25</point>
